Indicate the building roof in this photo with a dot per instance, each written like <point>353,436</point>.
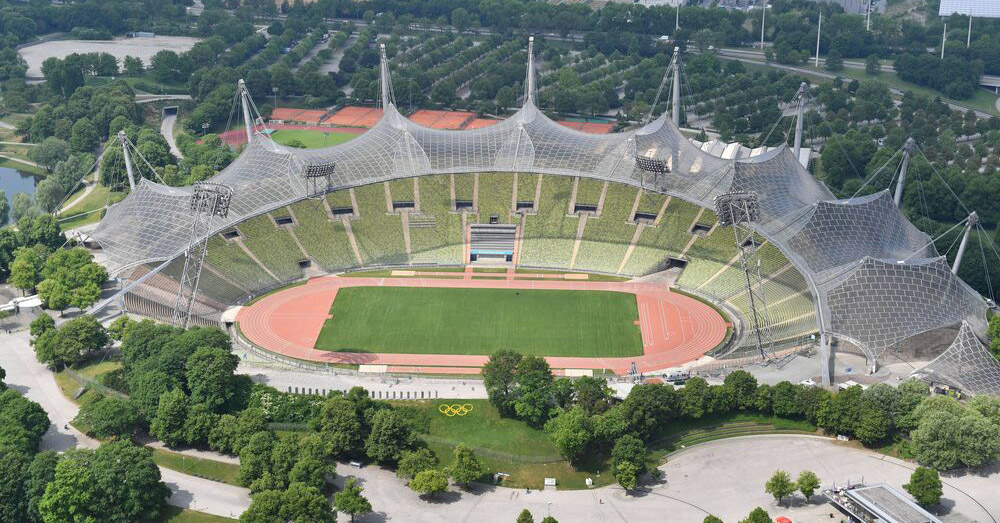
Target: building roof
<point>890,505</point>
<point>978,8</point>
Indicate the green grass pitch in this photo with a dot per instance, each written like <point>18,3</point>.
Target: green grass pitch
<point>415,320</point>
<point>312,139</point>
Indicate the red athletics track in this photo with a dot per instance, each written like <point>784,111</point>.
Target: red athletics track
<point>675,328</point>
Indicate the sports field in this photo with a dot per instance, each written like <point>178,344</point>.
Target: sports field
<point>436,320</point>
<point>311,139</point>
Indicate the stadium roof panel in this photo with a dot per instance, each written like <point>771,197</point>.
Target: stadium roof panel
<point>978,8</point>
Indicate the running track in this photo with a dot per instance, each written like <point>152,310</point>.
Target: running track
<point>675,328</point>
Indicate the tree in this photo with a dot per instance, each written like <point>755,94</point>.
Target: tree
<point>742,387</point>
<point>350,501</point>
<point>13,498</point>
<point>807,483</point>
<point>390,436</point>
<point>255,457</point>
<point>626,474</point>
<point>41,324</point>
<point>71,279</point>
<point>22,207</point>
<point>171,416</point>
<point>116,483</point>
<point>413,462</point>
<point>339,424</point>
<point>711,519</point>
<point>695,397</point>
<point>41,472</point>
<point>211,376</point>
<point>467,466</point>
<point>49,152</point>
<point>872,65</point>
<point>429,482</point>
<point>780,485</point>
<point>872,426</point>
<point>630,449</point>
<point>84,136</point>
<point>525,517</point>
<point>500,379</point>
<point>592,394</point>
<point>534,391</point>
<point>757,515</point>
<point>71,343</point>
<point>110,417</point>
<point>4,208</point>
<point>48,194</point>
<point>132,66</point>
<point>834,60</point>
<point>26,270</point>
<point>299,503</point>
<point>572,432</point>
<point>925,486</point>
<point>199,424</point>
<point>944,440</point>
<point>119,328</point>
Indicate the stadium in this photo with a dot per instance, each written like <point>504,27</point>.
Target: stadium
<point>563,224</point>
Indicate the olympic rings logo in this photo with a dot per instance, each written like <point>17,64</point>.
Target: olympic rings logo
<point>457,409</point>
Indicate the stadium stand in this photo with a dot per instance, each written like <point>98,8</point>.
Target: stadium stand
<point>401,190</point>
<point>588,192</point>
<point>658,243</point>
<point>526,185</point>
<point>465,188</point>
<point>379,234</point>
<point>436,232</point>
<point>606,237</point>
<point>230,259</point>
<point>323,238</point>
<point>550,233</point>
<point>273,246</point>
<point>495,191</point>
<point>339,199</point>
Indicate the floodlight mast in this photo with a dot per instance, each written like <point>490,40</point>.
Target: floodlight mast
<point>739,210</point>
<point>653,165</point>
<point>208,200</point>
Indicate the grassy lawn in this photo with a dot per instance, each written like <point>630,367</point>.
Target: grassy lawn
<point>505,445</point>
<point>480,321</point>
<point>387,273</point>
<point>20,166</point>
<point>81,213</point>
<point>312,139</point>
<point>179,515</point>
<point>202,468</point>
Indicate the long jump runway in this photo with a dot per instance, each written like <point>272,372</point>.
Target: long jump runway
<point>675,328</point>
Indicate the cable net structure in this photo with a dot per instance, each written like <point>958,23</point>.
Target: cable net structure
<point>874,277</point>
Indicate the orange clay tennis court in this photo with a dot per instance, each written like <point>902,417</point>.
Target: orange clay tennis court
<point>675,328</point>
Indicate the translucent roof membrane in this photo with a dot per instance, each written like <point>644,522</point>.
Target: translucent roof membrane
<point>875,278</point>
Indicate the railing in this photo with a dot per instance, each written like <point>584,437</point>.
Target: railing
<point>92,384</point>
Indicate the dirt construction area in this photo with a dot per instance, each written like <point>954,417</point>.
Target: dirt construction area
<point>141,47</point>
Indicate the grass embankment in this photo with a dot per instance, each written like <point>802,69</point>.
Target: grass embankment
<point>88,210</point>
<point>511,446</point>
<point>179,515</point>
<point>312,139</point>
<point>428,320</point>
<point>590,275</point>
<point>387,273</point>
<point>202,468</point>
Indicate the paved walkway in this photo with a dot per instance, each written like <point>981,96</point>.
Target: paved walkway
<point>34,380</point>
<point>287,379</point>
<point>725,478</point>
<point>675,328</point>
<point>167,130</point>
<point>86,192</point>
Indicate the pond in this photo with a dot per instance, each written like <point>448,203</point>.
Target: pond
<point>13,181</point>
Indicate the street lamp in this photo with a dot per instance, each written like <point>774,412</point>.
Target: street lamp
<point>204,128</point>
<point>275,91</point>
<point>326,134</point>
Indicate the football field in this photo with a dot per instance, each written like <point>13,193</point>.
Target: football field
<point>434,320</point>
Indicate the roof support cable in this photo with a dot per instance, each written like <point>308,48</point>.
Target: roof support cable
<point>933,240</point>
<point>876,173</point>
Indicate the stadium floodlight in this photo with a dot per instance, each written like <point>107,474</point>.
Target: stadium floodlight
<point>319,177</point>
<point>739,210</point>
<point>211,199</point>
<point>651,164</point>
<point>208,200</point>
